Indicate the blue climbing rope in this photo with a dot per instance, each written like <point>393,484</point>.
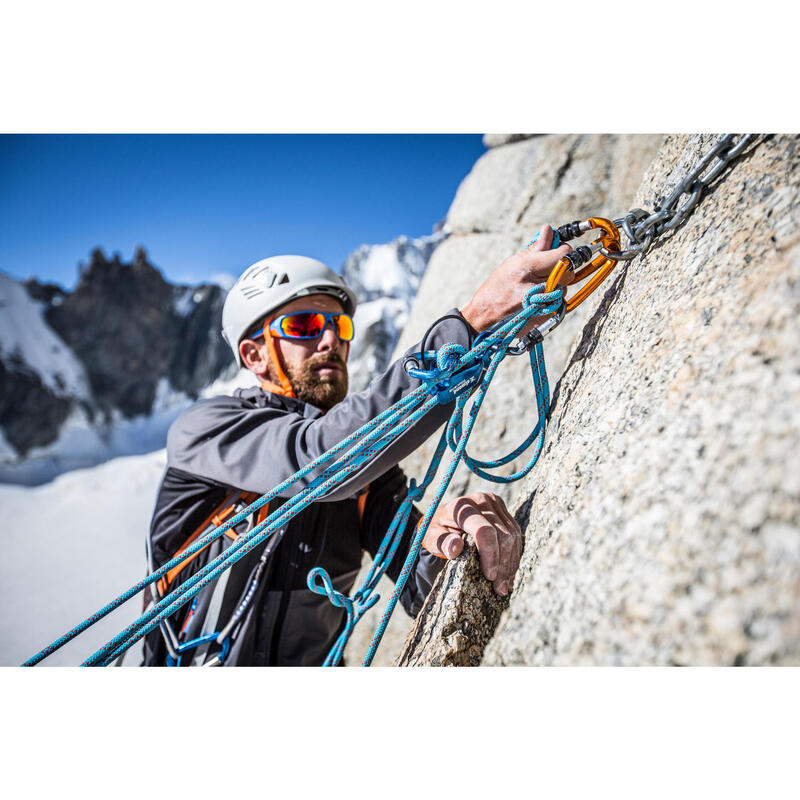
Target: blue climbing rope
<point>488,351</point>
<point>451,373</point>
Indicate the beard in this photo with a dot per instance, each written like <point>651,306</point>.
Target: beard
<point>322,391</point>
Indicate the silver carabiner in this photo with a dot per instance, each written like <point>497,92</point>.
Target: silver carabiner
<point>534,337</point>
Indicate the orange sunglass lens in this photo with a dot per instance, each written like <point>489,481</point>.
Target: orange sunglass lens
<point>344,327</point>
<point>307,325</point>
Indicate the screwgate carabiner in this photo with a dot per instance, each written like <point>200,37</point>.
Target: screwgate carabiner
<point>600,266</point>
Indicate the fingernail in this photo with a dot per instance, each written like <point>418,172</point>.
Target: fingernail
<point>452,548</point>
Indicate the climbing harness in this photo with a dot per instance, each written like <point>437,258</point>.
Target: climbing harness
<point>203,629</point>
<point>451,374</point>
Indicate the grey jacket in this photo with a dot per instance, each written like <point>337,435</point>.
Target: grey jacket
<point>252,442</point>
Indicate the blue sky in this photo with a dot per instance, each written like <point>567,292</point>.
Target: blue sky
<point>208,204</point>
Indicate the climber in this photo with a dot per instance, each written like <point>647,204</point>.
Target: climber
<point>288,320</point>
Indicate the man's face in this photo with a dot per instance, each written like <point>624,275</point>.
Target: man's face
<point>316,368</point>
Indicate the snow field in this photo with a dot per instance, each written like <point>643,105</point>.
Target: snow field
<point>71,547</point>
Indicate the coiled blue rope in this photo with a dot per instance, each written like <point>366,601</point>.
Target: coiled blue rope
<point>456,373</point>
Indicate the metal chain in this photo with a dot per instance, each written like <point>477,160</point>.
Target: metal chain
<point>643,228</point>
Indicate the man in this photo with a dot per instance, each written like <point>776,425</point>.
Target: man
<point>288,319</point>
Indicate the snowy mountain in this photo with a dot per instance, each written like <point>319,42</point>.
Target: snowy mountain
<point>385,278</point>
<point>103,371</point>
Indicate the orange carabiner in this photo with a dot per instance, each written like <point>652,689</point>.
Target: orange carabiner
<point>601,266</point>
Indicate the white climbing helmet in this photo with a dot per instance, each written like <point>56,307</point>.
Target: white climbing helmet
<point>270,283</point>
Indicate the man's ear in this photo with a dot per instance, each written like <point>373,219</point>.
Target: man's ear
<point>253,357</point>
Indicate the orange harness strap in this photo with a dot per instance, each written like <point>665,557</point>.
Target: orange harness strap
<point>224,510</point>
<point>275,389</point>
<point>286,387</point>
<point>362,504</point>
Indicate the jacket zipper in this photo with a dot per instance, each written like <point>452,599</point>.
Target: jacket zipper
<point>276,631</point>
<point>279,618</point>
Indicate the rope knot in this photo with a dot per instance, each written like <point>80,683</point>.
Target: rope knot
<point>414,492</point>
<point>326,588</point>
<point>531,295</point>
<point>538,301</point>
<point>449,355</point>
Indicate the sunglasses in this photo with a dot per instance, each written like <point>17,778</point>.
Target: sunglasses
<point>309,325</point>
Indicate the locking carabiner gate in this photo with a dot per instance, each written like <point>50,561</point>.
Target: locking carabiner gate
<point>601,266</point>
<point>525,343</point>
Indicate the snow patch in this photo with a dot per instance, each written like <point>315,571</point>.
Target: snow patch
<point>381,272</point>
<point>81,444</point>
<point>27,343</point>
<point>70,547</point>
<point>243,379</point>
<point>224,280</point>
<point>184,301</point>
<point>166,398</point>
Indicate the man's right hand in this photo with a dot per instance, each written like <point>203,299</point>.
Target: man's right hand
<point>501,294</point>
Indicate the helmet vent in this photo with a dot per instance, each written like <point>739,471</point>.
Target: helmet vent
<point>284,279</point>
<point>263,275</point>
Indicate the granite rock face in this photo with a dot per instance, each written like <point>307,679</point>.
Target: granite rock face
<point>510,193</point>
<point>454,627</point>
<point>497,139</point>
<point>662,522</point>
<point>558,177</point>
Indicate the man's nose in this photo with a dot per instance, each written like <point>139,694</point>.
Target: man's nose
<point>328,339</point>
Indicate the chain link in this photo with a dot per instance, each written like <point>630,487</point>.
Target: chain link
<point>643,228</point>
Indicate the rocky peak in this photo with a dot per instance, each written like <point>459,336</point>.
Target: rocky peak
<point>120,323</point>
<point>49,294</point>
<point>120,334</point>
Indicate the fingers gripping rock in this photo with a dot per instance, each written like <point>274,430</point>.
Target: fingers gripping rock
<point>459,616</point>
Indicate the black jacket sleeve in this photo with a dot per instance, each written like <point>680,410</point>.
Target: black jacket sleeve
<point>384,497</point>
<point>257,448</point>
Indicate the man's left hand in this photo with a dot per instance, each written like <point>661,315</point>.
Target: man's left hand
<point>497,536</point>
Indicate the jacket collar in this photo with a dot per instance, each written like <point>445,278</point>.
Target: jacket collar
<point>261,398</point>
